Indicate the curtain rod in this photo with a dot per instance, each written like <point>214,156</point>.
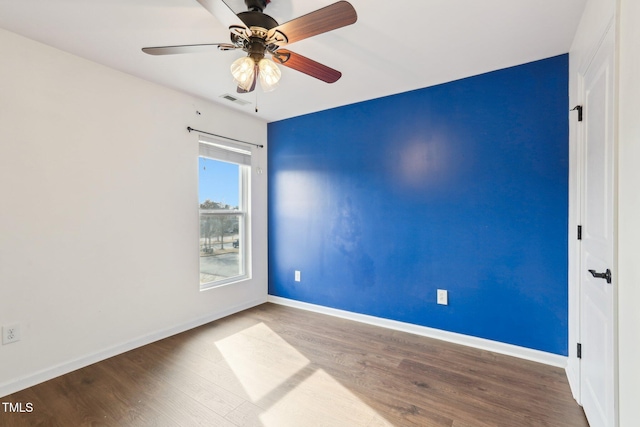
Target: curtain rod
<point>189,128</point>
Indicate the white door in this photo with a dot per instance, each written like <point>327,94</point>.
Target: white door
<point>597,322</point>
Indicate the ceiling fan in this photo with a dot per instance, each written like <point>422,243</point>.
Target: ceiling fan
<point>262,38</point>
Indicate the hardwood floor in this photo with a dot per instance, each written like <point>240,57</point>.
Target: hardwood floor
<point>279,366</point>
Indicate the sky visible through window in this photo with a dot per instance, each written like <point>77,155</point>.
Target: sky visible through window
<point>218,181</point>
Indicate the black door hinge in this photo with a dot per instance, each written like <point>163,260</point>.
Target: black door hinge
<point>579,108</point>
<point>579,351</point>
<point>579,232</point>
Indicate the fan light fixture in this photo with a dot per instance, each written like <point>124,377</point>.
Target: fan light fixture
<point>269,74</point>
<point>244,72</point>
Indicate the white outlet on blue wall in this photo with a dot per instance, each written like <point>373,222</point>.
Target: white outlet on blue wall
<point>443,297</point>
<point>296,276</point>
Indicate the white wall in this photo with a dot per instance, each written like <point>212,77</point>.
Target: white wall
<point>629,212</point>
<point>99,211</point>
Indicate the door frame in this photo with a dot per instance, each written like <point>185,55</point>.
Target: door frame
<point>577,170</point>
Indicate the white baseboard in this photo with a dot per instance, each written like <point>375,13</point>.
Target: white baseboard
<point>573,376</point>
<point>481,343</point>
<point>81,362</point>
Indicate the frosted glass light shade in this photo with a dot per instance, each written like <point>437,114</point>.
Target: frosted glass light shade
<point>269,74</point>
<point>243,71</point>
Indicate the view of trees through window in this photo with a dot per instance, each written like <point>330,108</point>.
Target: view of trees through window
<point>221,221</point>
<point>215,230</point>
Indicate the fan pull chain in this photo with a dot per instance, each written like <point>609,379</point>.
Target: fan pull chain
<point>256,101</point>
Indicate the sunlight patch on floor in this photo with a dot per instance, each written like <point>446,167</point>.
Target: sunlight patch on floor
<point>283,386</point>
<point>320,400</point>
<point>260,360</point>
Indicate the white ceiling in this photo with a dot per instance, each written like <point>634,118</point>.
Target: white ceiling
<point>395,46</point>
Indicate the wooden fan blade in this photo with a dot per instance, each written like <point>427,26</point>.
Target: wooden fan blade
<point>328,18</point>
<point>222,12</point>
<point>306,66</point>
<point>188,48</point>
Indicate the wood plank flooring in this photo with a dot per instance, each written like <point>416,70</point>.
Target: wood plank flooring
<point>279,366</point>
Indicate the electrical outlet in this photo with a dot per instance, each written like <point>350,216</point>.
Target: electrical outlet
<point>10,333</point>
<point>297,276</point>
<point>443,297</point>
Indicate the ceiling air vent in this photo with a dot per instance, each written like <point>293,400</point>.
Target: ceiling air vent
<point>234,99</point>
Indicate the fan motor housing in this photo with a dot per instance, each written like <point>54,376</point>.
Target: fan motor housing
<point>257,19</point>
<point>256,48</point>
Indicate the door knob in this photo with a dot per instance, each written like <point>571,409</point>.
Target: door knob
<point>606,275</point>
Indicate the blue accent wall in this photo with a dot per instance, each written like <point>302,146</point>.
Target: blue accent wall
<point>461,186</point>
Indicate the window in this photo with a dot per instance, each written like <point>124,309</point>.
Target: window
<point>223,187</point>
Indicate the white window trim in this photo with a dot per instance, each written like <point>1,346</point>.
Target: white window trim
<point>224,151</point>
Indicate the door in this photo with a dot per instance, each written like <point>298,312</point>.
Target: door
<point>597,288</point>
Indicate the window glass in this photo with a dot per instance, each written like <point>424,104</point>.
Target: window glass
<point>222,202</point>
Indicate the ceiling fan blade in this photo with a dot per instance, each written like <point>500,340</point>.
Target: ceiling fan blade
<point>328,18</point>
<point>306,66</point>
<point>187,48</point>
<point>222,12</point>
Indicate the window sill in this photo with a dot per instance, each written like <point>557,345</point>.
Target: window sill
<point>222,283</point>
